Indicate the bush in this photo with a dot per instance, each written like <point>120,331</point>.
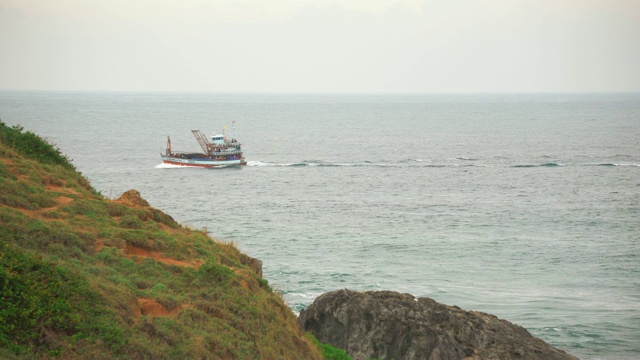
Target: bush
<point>33,146</point>
<point>108,255</point>
<point>115,209</point>
<point>5,173</point>
<point>92,209</point>
<point>211,274</point>
<point>131,222</point>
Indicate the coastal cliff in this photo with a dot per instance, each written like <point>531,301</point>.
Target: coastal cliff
<point>390,325</point>
<point>83,276</point>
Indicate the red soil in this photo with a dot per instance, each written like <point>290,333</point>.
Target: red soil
<point>131,251</point>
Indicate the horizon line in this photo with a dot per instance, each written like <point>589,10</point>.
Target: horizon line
<point>218,92</point>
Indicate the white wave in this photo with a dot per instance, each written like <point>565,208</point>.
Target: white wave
<point>343,164</point>
<point>258,163</point>
<point>168,166</point>
<point>302,295</point>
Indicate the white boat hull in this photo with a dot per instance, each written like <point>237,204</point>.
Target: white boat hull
<point>202,162</point>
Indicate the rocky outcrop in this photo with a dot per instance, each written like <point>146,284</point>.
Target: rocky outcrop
<point>390,325</point>
<point>253,263</point>
<point>132,198</point>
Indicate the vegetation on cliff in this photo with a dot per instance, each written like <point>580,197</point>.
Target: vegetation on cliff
<point>84,276</point>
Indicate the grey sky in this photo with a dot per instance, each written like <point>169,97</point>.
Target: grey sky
<point>320,45</point>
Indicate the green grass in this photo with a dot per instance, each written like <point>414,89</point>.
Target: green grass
<point>43,303</point>
<point>23,195</point>
<point>328,351</point>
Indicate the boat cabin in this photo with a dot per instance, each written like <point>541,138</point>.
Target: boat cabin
<point>217,139</point>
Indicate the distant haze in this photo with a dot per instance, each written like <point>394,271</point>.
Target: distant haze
<point>320,46</point>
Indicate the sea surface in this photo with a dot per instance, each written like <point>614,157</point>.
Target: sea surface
<point>525,206</point>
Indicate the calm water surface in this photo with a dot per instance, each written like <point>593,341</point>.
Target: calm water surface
<point>524,206</point>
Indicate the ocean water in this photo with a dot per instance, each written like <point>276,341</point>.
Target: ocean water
<point>524,206</point>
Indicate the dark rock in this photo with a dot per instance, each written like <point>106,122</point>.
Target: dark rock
<point>390,325</point>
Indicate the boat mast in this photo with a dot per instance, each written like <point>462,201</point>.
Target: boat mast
<point>233,130</point>
<point>204,143</point>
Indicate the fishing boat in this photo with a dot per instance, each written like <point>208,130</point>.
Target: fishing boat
<point>219,152</point>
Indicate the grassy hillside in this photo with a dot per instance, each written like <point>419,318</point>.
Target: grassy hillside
<point>82,276</point>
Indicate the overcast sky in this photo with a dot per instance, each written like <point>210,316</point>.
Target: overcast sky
<point>378,46</point>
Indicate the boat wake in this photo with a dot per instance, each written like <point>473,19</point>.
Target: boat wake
<point>321,164</point>
<point>168,166</point>
<point>421,163</point>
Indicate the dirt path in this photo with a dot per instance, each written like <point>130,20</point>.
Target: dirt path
<point>60,202</point>
<point>131,251</point>
<point>151,307</point>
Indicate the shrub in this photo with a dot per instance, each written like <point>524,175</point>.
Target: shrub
<point>87,207</point>
<point>33,146</point>
<point>131,222</point>
<point>138,238</point>
<point>264,284</point>
<point>211,274</point>
<point>159,289</point>
<point>108,255</point>
<point>5,173</point>
<point>115,209</point>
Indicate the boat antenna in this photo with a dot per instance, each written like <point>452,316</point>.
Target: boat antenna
<point>233,129</point>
